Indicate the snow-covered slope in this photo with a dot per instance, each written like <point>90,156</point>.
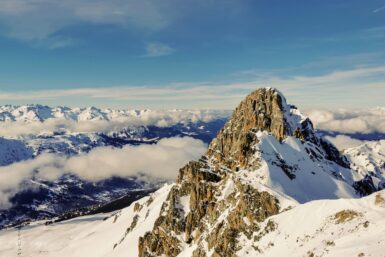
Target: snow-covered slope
<point>343,227</point>
<point>103,235</point>
<point>13,151</point>
<point>287,167</point>
<point>368,160</point>
<point>339,228</point>
<point>266,159</point>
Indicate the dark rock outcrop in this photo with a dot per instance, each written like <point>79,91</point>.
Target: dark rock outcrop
<point>365,186</point>
<point>209,205</point>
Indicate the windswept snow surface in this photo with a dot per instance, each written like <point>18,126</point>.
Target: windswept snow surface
<point>102,235</point>
<point>286,167</point>
<point>368,159</point>
<point>13,151</point>
<point>338,228</point>
<point>316,227</point>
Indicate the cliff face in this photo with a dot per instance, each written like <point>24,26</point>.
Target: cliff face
<point>193,214</point>
<point>223,198</point>
<point>263,110</point>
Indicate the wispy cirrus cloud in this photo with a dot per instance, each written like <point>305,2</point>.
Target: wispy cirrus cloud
<point>39,20</point>
<point>382,8</point>
<point>181,95</point>
<point>336,89</point>
<point>155,49</point>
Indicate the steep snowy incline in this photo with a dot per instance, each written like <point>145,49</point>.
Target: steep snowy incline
<point>328,228</point>
<point>293,168</point>
<point>272,138</point>
<point>104,235</point>
<point>368,162</point>
<point>265,159</point>
<point>13,151</point>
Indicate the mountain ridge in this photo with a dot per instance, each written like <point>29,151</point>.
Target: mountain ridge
<point>37,112</point>
<point>44,199</point>
<point>267,186</point>
<point>261,159</point>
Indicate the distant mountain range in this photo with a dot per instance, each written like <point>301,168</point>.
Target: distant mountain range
<point>268,185</point>
<point>33,130</point>
<point>36,112</point>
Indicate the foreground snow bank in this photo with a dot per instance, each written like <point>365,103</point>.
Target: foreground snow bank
<point>343,227</point>
<point>113,234</point>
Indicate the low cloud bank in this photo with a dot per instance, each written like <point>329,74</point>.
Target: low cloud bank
<point>161,160</point>
<point>343,142</point>
<point>363,121</point>
<point>349,121</point>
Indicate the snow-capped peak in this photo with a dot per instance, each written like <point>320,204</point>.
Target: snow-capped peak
<point>265,159</point>
<point>368,161</point>
<point>253,194</point>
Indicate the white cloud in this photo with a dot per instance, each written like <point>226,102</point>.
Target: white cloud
<point>379,9</point>
<point>350,121</point>
<point>12,176</point>
<point>161,160</point>
<point>183,95</point>
<point>38,20</point>
<point>158,49</point>
<point>337,89</point>
<point>343,142</point>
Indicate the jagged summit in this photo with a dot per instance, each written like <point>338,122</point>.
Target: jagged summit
<point>263,110</point>
<point>266,158</point>
<point>266,110</point>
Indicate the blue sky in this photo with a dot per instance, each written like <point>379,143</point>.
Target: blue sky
<point>191,54</point>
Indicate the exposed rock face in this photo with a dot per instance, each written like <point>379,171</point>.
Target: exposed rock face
<point>211,206</point>
<point>368,160</point>
<point>261,110</point>
<point>202,224</point>
<point>365,186</point>
<point>264,110</point>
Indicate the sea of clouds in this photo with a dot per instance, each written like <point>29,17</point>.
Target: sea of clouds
<point>350,121</point>
<point>363,121</point>
<point>161,160</point>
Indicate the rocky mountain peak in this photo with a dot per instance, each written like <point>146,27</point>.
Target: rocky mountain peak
<point>267,145</point>
<point>263,110</point>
